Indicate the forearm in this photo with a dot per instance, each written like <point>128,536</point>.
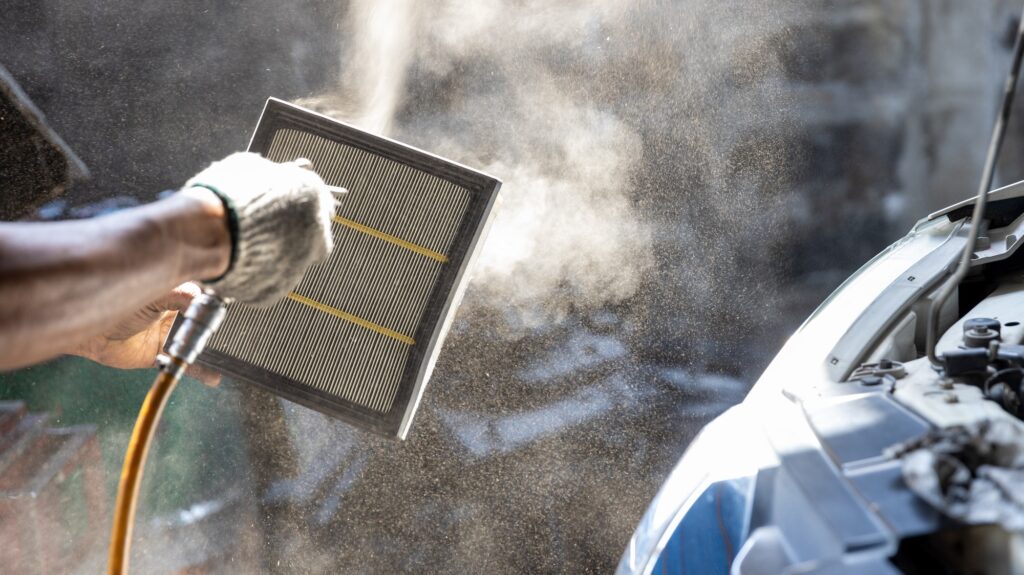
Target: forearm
<point>62,283</point>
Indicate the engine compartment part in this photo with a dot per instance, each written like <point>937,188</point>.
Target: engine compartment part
<point>883,461</point>
<point>971,473</point>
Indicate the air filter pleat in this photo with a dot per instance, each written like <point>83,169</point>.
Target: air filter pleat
<point>319,350</point>
<point>379,188</point>
<point>380,289</point>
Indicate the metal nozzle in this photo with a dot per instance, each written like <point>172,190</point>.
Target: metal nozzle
<point>337,191</point>
<point>202,318</point>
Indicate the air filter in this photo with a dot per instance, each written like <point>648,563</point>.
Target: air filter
<point>358,337</point>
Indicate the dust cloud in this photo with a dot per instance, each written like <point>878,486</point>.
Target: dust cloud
<point>645,193</point>
<point>566,231</point>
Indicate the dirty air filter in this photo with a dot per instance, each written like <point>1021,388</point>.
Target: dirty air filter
<point>358,337</point>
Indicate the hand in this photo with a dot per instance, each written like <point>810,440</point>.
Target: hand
<point>135,341</point>
<point>281,220</point>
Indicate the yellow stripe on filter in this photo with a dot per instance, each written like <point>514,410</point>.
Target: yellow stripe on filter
<point>349,317</point>
<point>392,239</point>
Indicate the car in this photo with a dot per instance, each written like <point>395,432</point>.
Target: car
<point>887,435</point>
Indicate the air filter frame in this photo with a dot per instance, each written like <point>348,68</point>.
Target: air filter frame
<point>441,304</point>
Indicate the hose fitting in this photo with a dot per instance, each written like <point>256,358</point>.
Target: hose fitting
<point>202,318</point>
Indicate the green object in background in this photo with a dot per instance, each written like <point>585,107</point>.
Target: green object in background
<point>199,447</point>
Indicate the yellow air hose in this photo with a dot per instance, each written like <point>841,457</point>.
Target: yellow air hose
<point>131,472</point>
<point>201,319</point>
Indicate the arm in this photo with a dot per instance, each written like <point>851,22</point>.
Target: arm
<point>63,283</point>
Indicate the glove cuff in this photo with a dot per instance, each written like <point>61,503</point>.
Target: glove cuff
<point>232,214</point>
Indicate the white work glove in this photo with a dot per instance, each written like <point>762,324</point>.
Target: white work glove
<point>280,221</point>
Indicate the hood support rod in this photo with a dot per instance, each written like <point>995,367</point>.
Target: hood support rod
<point>987,174</point>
